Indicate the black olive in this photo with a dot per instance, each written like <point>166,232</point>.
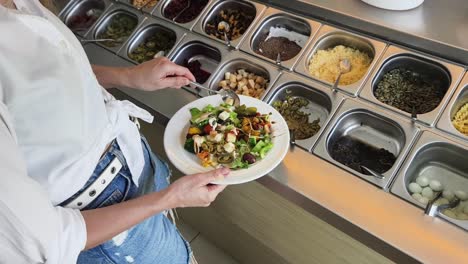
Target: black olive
<point>249,158</point>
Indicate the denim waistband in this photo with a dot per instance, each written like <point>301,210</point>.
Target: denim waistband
<point>121,188</point>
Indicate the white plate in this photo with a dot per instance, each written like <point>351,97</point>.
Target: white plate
<point>188,163</point>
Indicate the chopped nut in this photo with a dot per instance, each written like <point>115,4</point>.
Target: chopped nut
<point>251,83</point>
<point>233,78</point>
<point>244,82</point>
<point>222,83</point>
<point>233,85</point>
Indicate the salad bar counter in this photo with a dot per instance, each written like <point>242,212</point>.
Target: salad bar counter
<point>393,125</point>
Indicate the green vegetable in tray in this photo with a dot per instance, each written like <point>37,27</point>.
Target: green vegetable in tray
<point>292,110</point>
<point>160,42</point>
<point>120,27</point>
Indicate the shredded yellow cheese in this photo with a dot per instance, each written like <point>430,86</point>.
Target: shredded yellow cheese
<point>460,120</point>
<point>325,64</point>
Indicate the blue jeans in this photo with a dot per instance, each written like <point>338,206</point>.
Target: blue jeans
<point>155,240</point>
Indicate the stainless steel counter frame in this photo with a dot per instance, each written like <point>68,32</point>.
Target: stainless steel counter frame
<point>388,226</point>
<point>386,219</point>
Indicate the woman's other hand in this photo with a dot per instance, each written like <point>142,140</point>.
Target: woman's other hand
<point>196,190</point>
<point>159,73</point>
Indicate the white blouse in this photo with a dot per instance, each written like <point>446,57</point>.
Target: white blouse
<point>31,229</point>
<point>62,117</point>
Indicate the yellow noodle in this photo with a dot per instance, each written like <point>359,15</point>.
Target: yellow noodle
<point>324,64</point>
<point>460,120</point>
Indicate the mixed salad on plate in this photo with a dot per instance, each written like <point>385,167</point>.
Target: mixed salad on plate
<point>224,135</point>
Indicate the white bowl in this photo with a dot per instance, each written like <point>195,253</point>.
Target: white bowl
<point>395,4</point>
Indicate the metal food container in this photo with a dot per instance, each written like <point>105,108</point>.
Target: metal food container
<point>377,128</point>
<point>78,8</point>
<point>103,57</point>
<point>329,37</point>
<point>237,60</point>
<point>106,19</point>
<point>322,101</point>
<point>436,158</point>
<point>209,53</point>
<point>459,98</point>
<point>145,9</point>
<point>253,8</point>
<point>159,12</point>
<point>146,29</point>
<point>446,73</point>
<point>275,17</point>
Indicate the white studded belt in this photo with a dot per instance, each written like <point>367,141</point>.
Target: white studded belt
<point>97,187</point>
<point>101,182</point>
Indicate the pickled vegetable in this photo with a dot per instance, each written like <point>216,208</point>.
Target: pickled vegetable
<point>160,42</point>
<point>119,28</point>
<point>409,91</point>
<point>298,121</point>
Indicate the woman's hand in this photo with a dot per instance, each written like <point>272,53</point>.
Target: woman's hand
<point>152,75</point>
<point>188,191</point>
<point>159,73</point>
<point>195,190</point>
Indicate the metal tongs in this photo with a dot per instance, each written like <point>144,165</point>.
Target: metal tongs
<point>433,209</point>
<point>189,3</point>
<point>292,139</point>
<point>414,115</point>
<point>372,172</point>
<point>225,94</point>
<point>119,40</point>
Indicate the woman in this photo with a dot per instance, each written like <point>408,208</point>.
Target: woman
<point>81,144</point>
